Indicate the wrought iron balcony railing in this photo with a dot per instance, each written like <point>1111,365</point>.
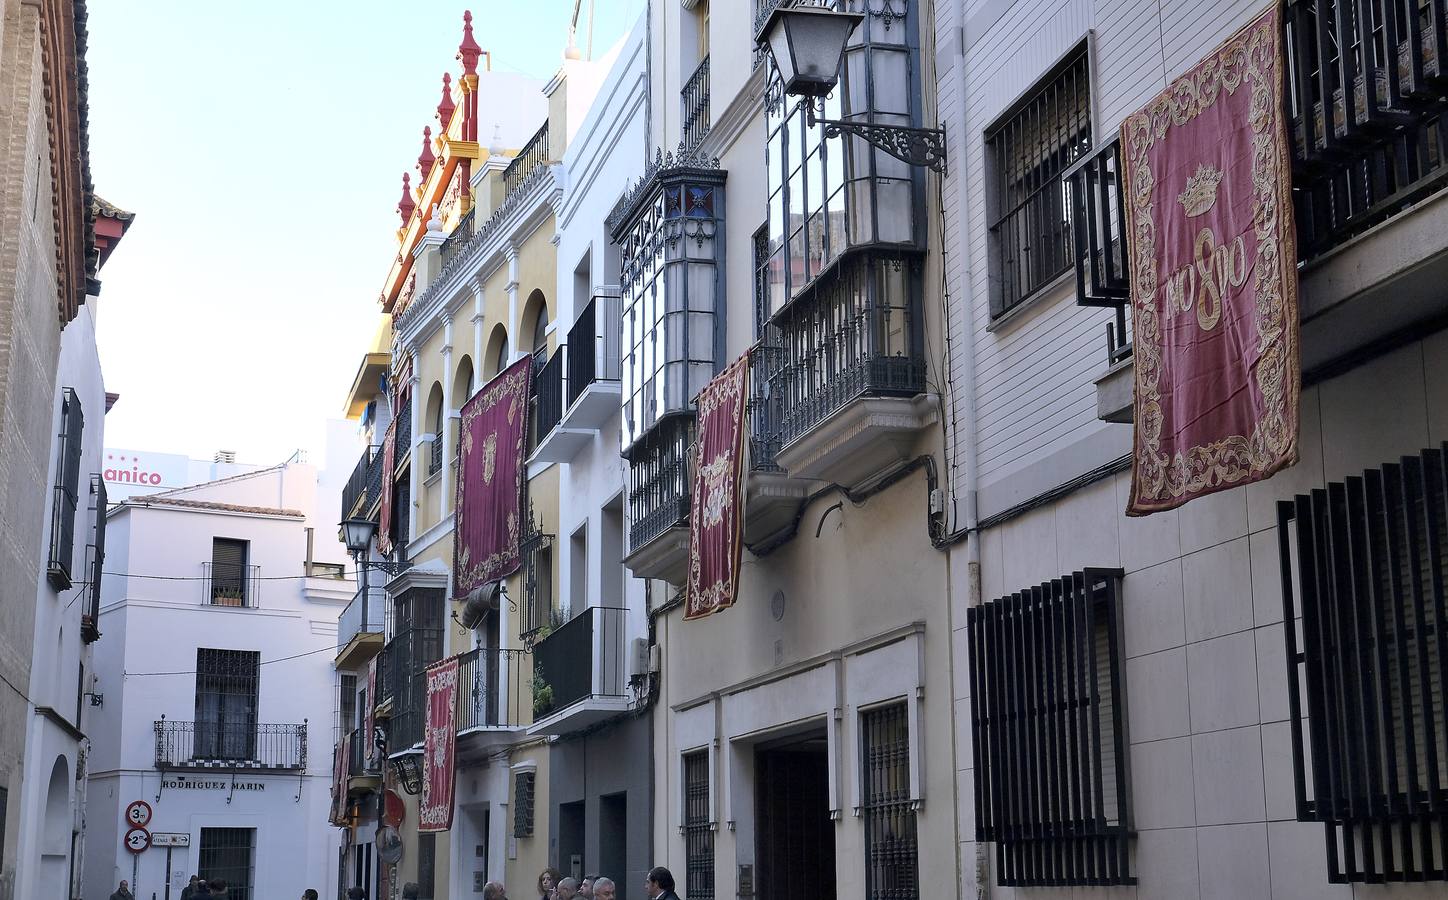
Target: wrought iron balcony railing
<point>230,745</point>
<point>694,98</point>
<point>661,471</point>
<point>533,155</point>
<point>403,434</point>
<point>359,761</point>
<point>230,585</point>
<point>549,387</point>
<point>856,333</point>
<point>434,454</point>
<point>350,623</point>
<point>494,688</point>
<point>1359,156</point>
<point>407,657</point>
<point>766,414</point>
<point>458,239</point>
<point>593,345</point>
<point>355,498</point>
<point>581,659</point>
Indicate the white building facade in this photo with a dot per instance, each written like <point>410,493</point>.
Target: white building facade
<point>216,691</point>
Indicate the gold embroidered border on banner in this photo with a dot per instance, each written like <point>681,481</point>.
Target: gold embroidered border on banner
<point>468,570</point>
<point>1251,56</point>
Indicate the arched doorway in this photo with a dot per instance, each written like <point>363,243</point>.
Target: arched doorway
<point>55,844</point>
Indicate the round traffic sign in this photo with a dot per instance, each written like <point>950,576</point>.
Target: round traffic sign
<point>393,810</point>
<point>138,813</point>
<point>138,839</point>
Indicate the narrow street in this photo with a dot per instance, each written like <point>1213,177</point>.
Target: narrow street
<point>724,450</point>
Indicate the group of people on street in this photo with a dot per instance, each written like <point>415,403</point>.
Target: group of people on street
<point>198,889</point>
<point>552,885</point>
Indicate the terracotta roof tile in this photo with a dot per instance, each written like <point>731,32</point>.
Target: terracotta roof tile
<point>160,500</point>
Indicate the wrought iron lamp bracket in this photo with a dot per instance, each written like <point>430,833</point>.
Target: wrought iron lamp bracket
<point>916,146</point>
<point>386,566</point>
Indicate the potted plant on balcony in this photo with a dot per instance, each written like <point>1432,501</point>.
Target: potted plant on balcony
<point>542,694</point>
<point>227,596</point>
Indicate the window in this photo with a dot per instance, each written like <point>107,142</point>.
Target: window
<point>828,196</point>
<point>229,583</point>
<point>226,704</point>
<point>523,804</point>
<point>1364,562</point>
<point>4,805</point>
<point>417,643</point>
<point>437,422</point>
<point>346,706</point>
<point>66,494</point>
<point>1046,701</point>
<point>91,616</point>
<point>892,870</point>
<point>698,829</point>
<point>228,854</point>
<point>426,865</point>
<point>1030,207</point>
<point>537,552</point>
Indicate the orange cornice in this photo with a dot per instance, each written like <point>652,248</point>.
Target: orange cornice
<point>430,194</point>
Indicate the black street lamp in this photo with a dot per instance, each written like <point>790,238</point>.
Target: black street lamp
<point>808,47</point>
<point>357,534</point>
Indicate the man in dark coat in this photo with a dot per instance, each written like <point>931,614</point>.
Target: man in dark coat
<point>659,884</point>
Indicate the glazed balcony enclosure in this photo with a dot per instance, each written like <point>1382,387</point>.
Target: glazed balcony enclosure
<point>357,640</point>
<point>580,677</point>
<point>1369,171</point>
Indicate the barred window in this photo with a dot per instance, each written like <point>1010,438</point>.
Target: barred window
<point>1030,204</point>
<point>523,804</point>
<point>1046,702</point>
<point>1365,561</point>
<point>226,703</point>
<point>229,581</point>
<point>228,854</point>
<point>91,616</point>
<point>66,492</point>
<point>698,829</point>
<point>892,867</point>
<point>536,549</point>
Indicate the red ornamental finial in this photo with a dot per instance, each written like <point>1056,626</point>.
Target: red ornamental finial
<point>425,159</point>
<point>468,50</point>
<point>406,205</point>
<point>446,105</point>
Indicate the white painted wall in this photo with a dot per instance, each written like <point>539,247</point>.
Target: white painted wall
<point>155,625</point>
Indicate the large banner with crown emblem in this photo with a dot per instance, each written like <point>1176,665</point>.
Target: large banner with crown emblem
<point>439,745</point>
<point>716,507</point>
<point>1213,276</point>
<point>492,440</point>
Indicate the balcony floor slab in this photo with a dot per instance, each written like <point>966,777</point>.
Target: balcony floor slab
<point>665,557</point>
<point>561,444</point>
<point>861,442</point>
<point>579,715</point>
<point>598,403</point>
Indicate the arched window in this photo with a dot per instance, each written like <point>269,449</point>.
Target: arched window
<point>535,325</point>
<point>435,425</point>
<point>496,355</point>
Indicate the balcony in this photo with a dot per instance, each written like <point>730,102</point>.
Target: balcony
<point>416,644</point>
<point>661,476</point>
<point>579,674</point>
<point>591,396</point>
<point>847,381</point>
<point>459,238</point>
<point>772,498</point>
<point>357,494</point>
<point>533,155</point>
<point>403,436</point>
<point>230,746</point>
<point>230,585</point>
<point>694,100</point>
<point>359,634</point>
<point>1369,169</point>
<point>364,772</point>
<point>548,386</point>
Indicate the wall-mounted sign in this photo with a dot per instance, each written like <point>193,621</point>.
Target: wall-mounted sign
<point>182,783</point>
<point>145,470</point>
<point>170,839</point>
<point>138,813</point>
<point>137,840</point>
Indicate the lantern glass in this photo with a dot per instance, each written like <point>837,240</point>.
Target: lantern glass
<point>357,534</point>
<point>807,44</point>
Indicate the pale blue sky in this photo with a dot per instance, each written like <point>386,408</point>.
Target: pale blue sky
<point>261,146</point>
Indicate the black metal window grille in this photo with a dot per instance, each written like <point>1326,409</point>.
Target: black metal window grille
<point>698,828</point>
<point>1030,149</point>
<point>1365,562</point>
<point>228,854</point>
<point>66,492</point>
<point>226,704</point>
<point>1046,702</point>
<point>694,99</point>
<point>533,155</point>
<point>416,644</point>
<point>4,805</point>
<point>523,783</point>
<point>661,472</point>
<point>346,706</point>
<point>828,196</point>
<point>536,549</point>
<point>434,454</point>
<point>426,865</point>
<point>356,499</point>
<point>892,867</point>
<point>1098,222</point>
<point>858,332</point>
<point>90,618</point>
<point>549,388</point>
<point>229,581</point>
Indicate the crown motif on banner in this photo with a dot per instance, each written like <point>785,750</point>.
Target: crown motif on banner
<point>1201,190</point>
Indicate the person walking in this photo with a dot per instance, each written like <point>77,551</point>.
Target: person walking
<point>192,890</point>
<point>659,884</point>
<point>123,892</point>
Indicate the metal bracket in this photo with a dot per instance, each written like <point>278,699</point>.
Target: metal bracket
<point>916,146</point>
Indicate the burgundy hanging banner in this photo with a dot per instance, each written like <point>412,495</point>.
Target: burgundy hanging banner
<point>339,784</point>
<point>1208,187</point>
<point>435,812</point>
<point>716,506</point>
<point>492,439</point>
<point>389,462</point>
<point>369,719</point>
